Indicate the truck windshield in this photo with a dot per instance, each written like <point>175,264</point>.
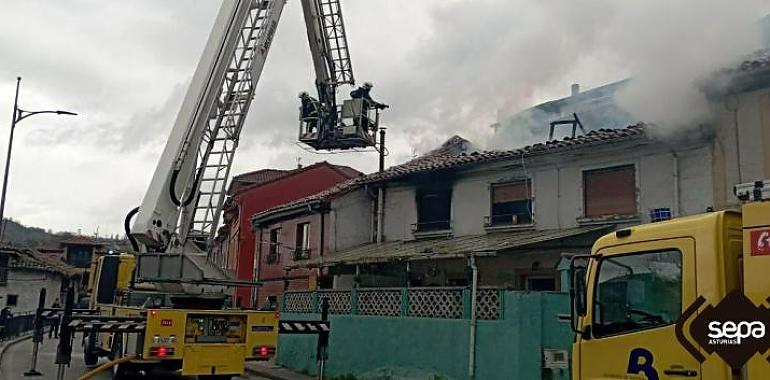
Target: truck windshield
<point>637,291</point>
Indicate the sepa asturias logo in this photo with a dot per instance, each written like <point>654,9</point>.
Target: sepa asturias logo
<point>735,329</point>
<point>732,333</point>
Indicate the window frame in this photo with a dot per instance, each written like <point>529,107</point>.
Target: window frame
<point>419,193</point>
<point>583,189</point>
<point>15,298</point>
<point>273,247</point>
<point>595,292</point>
<point>529,183</point>
<point>302,248</point>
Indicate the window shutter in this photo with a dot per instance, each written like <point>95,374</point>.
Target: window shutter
<point>610,191</point>
<point>511,192</point>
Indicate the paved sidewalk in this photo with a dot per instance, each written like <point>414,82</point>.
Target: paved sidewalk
<point>274,372</point>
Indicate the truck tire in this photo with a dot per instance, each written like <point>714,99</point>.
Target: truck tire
<point>90,353</point>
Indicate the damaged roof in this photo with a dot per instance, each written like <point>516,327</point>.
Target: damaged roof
<point>757,61</point>
<point>438,160</point>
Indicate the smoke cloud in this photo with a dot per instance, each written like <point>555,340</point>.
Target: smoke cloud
<point>487,59</point>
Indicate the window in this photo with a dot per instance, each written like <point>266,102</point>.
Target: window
<point>511,204</point>
<point>434,209</point>
<point>302,246</point>
<point>275,245</point>
<point>610,191</point>
<point>12,300</point>
<point>79,256</point>
<point>4,261</point>
<point>637,291</point>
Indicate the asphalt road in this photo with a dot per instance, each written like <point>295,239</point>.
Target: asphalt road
<point>17,358</point>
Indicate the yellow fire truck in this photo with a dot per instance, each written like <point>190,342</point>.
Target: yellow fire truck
<point>168,305</point>
<point>685,298</point>
<point>156,335</point>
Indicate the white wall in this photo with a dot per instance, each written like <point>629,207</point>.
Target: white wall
<point>747,117</point>
<point>27,284</point>
<point>351,220</point>
<point>557,186</point>
<point>400,212</point>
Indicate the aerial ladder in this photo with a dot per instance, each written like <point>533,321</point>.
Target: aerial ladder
<point>353,124</point>
<point>171,302</point>
<point>180,212</point>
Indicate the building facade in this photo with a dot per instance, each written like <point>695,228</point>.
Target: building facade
<point>255,192</point>
<point>518,211</point>
<point>23,273</point>
<point>521,211</point>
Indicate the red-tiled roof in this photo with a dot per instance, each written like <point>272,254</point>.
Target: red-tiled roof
<point>256,177</point>
<point>437,160</point>
<point>345,171</point>
<point>260,176</point>
<point>81,240</point>
<point>30,259</point>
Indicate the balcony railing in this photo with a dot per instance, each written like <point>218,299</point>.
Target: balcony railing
<point>301,254</point>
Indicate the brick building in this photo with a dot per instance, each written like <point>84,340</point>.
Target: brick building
<point>257,191</point>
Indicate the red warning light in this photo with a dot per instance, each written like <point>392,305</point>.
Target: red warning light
<point>162,352</point>
<point>264,351</point>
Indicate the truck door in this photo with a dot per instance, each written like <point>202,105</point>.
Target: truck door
<point>636,293</point>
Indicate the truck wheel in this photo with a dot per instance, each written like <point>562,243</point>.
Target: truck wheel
<point>90,355</point>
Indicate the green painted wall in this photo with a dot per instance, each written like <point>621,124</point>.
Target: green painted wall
<point>509,348</point>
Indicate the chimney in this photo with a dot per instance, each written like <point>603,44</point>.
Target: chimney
<point>575,89</point>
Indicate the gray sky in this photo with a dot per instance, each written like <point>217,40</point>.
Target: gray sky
<point>445,66</point>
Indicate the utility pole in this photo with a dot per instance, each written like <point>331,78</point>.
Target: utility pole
<point>18,116</point>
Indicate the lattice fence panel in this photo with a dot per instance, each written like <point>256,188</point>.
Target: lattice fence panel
<point>436,303</point>
<point>385,302</point>
<point>298,302</point>
<point>339,301</point>
<point>488,305</point>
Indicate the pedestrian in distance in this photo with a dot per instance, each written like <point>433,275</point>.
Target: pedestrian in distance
<point>5,318</point>
<point>54,331</point>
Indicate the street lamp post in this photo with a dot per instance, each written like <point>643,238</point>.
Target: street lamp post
<point>18,115</point>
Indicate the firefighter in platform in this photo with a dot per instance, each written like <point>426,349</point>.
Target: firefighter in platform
<point>309,112</point>
<point>364,93</point>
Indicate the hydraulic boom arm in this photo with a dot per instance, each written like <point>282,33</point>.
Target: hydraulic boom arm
<point>184,201</point>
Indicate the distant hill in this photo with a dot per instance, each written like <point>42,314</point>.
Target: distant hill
<point>23,236</point>
<point>31,237</point>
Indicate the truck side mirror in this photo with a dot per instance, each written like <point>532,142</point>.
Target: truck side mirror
<point>578,294</point>
<point>579,283</point>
